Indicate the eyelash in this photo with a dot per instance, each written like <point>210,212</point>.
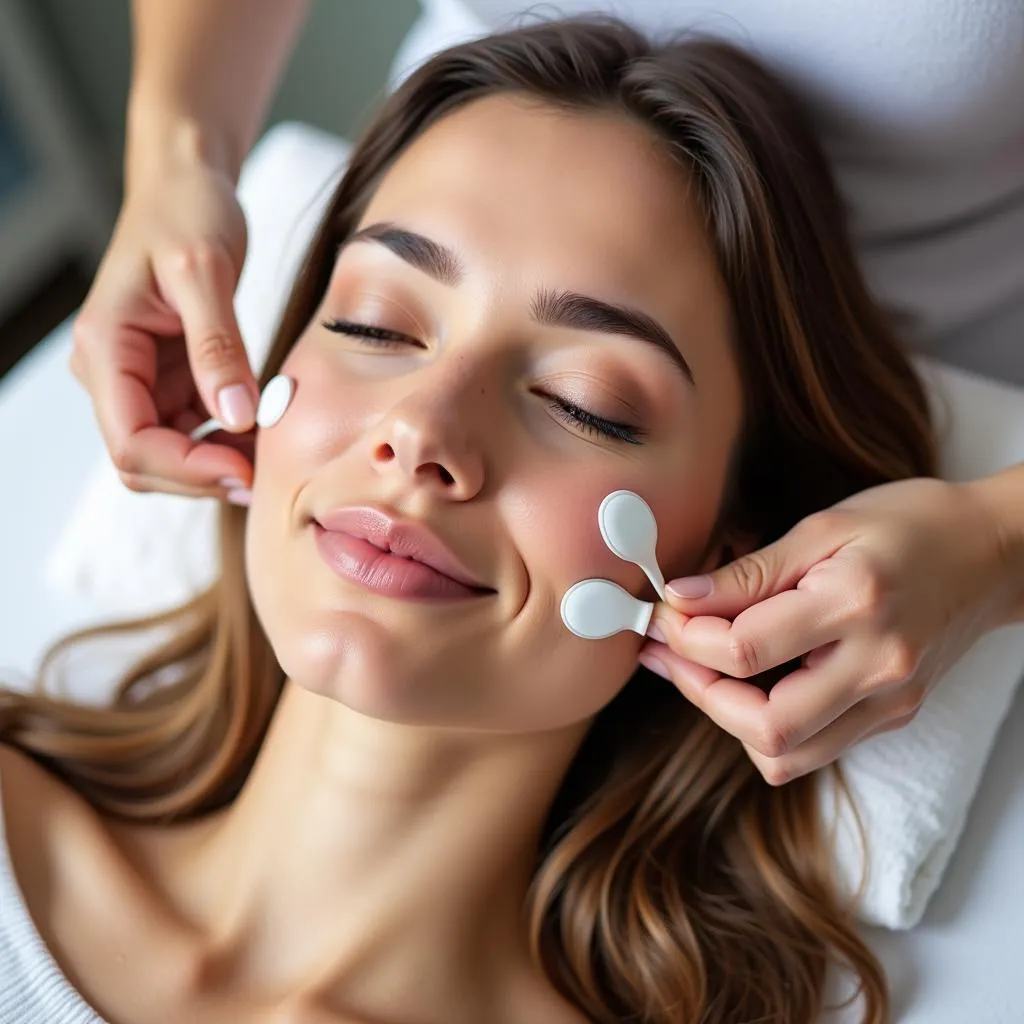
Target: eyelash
<point>573,415</point>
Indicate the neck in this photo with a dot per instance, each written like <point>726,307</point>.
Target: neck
<point>386,862</point>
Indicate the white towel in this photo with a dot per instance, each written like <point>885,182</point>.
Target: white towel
<point>131,553</point>
<point>914,786</point>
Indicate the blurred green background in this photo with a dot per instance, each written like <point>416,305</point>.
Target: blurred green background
<point>65,69</point>
<point>336,71</point>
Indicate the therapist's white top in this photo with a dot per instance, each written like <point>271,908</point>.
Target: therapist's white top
<point>920,106</point>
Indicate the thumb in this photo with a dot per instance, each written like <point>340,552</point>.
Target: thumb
<point>745,581</point>
<point>200,286</point>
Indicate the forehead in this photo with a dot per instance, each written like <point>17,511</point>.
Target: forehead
<point>578,199</point>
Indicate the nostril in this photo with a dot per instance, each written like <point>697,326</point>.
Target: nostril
<point>385,453</point>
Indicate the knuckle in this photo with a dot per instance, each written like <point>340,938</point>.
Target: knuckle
<point>751,573</point>
<point>868,682</point>
<point>744,656</point>
<point>197,258</point>
<point>125,460</point>
<point>133,482</point>
<point>216,350</point>
<point>867,593</point>
<point>85,335</point>
<point>900,661</point>
<point>776,773</point>
<point>773,740</point>
<point>821,524</point>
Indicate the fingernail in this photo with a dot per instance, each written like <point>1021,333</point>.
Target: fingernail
<point>241,496</point>
<point>654,664</point>
<point>690,586</point>
<point>231,482</point>
<point>237,408</point>
<point>655,633</point>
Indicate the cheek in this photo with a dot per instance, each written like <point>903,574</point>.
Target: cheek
<point>557,536</point>
<point>326,411</point>
<point>323,416</point>
<point>557,533</point>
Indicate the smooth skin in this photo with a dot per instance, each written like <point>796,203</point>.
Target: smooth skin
<point>376,864</point>
<point>880,595</point>
<point>156,344</point>
<point>879,614</point>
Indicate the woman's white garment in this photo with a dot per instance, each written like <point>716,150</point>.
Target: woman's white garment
<point>920,106</point>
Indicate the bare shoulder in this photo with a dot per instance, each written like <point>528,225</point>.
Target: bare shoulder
<point>68,853</point>
<point>54,834</point>
<point>70,865</point>
<point>42,816</point>
<point>17,770</point>
<point>33,801</point>
<point>20,772</point>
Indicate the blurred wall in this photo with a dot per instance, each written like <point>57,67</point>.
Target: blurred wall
<point>336,72</point>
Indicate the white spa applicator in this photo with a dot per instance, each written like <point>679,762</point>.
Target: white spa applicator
<point>595,609</point>
<point>274,401</point>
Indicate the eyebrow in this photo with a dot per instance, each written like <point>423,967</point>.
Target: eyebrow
<point>550,307</point>
<point>421,252</point>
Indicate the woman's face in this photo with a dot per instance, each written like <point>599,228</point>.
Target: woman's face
<point>493,242</point>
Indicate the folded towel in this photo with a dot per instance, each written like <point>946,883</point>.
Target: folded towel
<point>132,553</point>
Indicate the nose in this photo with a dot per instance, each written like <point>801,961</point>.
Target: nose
<point>427,440</point>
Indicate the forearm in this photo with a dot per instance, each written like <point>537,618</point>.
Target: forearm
<point>203,73</point>
<point>1004,495</point>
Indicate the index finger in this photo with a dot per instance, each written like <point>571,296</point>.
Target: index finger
<point>764,636</point>
<point>125,410</point>
<point>200,284</point>
<point>796,708</point>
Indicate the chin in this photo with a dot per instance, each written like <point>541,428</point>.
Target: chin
<point>346,659</point>
<point>353,660</point>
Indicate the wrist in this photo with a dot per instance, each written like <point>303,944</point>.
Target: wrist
<point>1002,497</point>
<point>157,138</point>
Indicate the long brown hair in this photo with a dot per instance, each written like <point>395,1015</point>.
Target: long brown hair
<point>672,883</point>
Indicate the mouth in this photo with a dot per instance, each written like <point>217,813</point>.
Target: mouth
<point>398,557</point>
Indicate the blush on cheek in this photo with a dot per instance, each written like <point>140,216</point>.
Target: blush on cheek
<point>558,536</point>
<point>324,418</point>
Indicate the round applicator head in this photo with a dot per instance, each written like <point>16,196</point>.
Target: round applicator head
<point>275,399</point>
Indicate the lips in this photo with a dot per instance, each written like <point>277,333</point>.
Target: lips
<point>404,538</point>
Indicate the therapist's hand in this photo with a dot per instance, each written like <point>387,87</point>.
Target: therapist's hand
<point>879,595</point>
<point>156,343</point>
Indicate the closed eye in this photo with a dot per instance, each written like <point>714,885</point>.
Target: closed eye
<point>588,423</point>
<point>576,417</point>
<point>375,337</point>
